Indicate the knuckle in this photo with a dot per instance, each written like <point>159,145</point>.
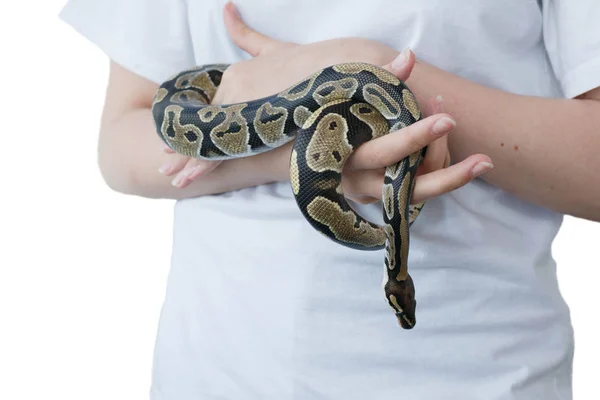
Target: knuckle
<point>418,137</point>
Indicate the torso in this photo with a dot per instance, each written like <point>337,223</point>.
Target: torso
<point>260,305</point>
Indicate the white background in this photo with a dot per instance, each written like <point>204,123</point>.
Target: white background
<point>83,269</point>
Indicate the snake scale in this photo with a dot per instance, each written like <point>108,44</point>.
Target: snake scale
<point>328,115</point>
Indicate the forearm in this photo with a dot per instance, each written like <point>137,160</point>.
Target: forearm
<point>130,155</point>
<point>544,150</point>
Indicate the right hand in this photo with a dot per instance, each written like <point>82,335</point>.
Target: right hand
<point>364,171</point>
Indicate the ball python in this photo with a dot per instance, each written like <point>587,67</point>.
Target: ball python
<point>328,115</point>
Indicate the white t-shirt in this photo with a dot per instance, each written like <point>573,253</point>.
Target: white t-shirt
<point>261,306</point>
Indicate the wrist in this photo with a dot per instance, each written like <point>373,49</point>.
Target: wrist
<point>416,82</point>
<point>278,165</point>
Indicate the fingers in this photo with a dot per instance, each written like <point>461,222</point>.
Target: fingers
<point>437,155</point>
<point>243,36</point>
<point>174,164</point>
<point>196,168</point>
<point>168,150</point>
<point>363,186</point>
<point>448,160</point>
<point>391,148</point>
<point>363,199</point>
<point>185,169</point>
<point>402,65</point>
<point>448,179</point>
<point>363,173</point>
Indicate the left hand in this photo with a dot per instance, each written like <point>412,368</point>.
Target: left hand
<point>287,63</point>
<point>278,65</point>
<point>187,169</point>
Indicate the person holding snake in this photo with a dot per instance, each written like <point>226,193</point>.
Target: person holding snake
<point>308,153</point>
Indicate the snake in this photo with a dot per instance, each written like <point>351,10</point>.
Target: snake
<point>328,115</point>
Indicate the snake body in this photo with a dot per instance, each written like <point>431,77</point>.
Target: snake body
<point>329,114</point>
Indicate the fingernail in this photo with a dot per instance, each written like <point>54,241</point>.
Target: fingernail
<point>178,180</point>
<point>481,168</point>
<point>401,59</point>
<point>443,125</point>
<point>191,171</point>
<point>233,8</point>
<point>165,168</point>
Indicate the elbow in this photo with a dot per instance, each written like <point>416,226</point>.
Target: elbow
<point>123,178</point>
<point>115,176</point>
<point>114,169</point>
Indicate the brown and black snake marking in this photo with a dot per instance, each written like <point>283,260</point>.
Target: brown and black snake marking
<point>329,114</point>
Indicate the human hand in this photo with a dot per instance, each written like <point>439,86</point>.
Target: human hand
<point>364,171</point>
<point>277,65</point>
<point>256,82</point>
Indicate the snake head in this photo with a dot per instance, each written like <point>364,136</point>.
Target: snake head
<point>401,297</point>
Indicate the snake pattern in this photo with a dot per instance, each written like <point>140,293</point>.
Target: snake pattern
<point>328,115</point>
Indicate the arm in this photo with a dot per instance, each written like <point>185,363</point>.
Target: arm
<point>544,150</point>
<point>129,149</point>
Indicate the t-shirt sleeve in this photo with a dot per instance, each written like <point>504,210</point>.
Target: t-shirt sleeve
<point>572,39</point>
<point>148,37</point>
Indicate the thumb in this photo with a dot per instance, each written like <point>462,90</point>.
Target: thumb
<point>243,36</point>
<point>402,65</point>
